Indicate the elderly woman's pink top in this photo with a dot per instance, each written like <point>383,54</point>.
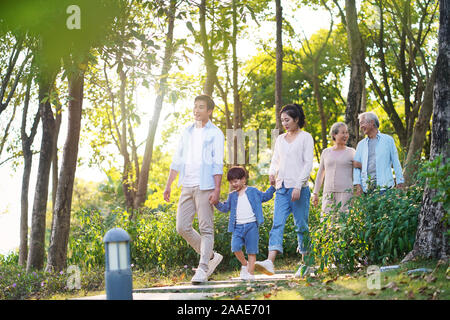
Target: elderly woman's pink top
<point>337,168</point>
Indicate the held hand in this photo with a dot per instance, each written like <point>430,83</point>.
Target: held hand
<point>315,199</point>
<point>295,194</point>
<point>356,164</point>
<point>272,180</point>
<point>358,190</point>
<point>214,197</point>
<point>400,186</point>
<point>167,194</point>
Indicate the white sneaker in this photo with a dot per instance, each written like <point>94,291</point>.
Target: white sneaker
<point>213,263</point>
<point>245,275</point>
<point>200,276</point>
<point>265,267</point>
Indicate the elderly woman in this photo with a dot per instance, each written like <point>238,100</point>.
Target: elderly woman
<point>336,168</point>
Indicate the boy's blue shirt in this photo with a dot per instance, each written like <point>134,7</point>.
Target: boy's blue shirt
<point>255,197</point>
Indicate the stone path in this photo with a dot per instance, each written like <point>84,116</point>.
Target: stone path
<point>187,291</point>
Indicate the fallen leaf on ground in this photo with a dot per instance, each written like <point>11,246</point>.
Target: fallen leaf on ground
<point>422,290</point>
<point>371,293</point>
<point>391,285</point>
<point>331,280</point>
<point>411,294</point>
<point>356,293</point>
<point>267,295</point>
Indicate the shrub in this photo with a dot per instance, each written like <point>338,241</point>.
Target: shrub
<point>379,228</point>
<point>155,243</point>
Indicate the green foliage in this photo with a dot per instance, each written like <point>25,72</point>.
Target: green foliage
<point>436,172</point>
<point>155,242</point>
<point>17,284</point>
<point>379,228</point>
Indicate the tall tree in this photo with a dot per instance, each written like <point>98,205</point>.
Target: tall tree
<point>279,63</point>
<point>432,230</point>
<point>98,18</point>
<point>61,224</point>
<point>420,129</point>
<point>27,141</point>
<point>37,237</point>
<point>162,90</point>
<point>399,77</point>
<point>209,60</point>
<point>356,90</point>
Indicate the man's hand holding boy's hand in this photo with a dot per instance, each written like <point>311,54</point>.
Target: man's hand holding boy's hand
<point>214,197</point>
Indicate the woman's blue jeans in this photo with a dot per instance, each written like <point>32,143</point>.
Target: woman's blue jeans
<point>283,208</point>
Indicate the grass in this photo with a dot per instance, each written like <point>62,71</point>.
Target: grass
<point>394,285</point>
<point>328,285</point>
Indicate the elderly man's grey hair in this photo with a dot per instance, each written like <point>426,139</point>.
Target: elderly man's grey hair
<point>335,129</point>
<point>369,116</point>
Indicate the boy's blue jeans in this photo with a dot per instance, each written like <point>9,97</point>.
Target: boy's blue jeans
<point>283,208</point>
<point>247,235</point>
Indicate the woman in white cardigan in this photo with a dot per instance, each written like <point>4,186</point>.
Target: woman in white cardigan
<point>290,170</point>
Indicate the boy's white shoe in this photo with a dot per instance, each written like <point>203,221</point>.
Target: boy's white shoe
<point>213,263</point>
<point>200,276</point>
<point>245,275</point>
<point>265,267</point>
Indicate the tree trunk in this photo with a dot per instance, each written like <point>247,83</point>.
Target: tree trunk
<point>127,184</point>
<point>420,130</point>
<point>27,141</point>
<point>168,53</point>
<point>279,65</point>
<point>57,253</point>
<point>58,116</point>
<point>319,99</point>
<point>431,240</point>
<point>37,240</point>
<point>356,91</point>
<point>211,68</point>
<point>237,108</point>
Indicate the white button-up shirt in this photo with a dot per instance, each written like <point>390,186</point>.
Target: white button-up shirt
<point>292,161</point>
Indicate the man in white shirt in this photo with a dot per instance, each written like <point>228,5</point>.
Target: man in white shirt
<point>199,160</point>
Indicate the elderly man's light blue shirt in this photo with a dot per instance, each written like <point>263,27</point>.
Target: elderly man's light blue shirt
<point>212,155</point>
<point>386,158</point>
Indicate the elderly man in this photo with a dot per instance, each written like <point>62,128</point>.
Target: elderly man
<point>377,155</point>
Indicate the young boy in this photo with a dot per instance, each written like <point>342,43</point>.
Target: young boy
<point>245,206</point>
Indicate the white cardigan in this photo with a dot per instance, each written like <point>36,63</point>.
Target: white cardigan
<point>292,162</point>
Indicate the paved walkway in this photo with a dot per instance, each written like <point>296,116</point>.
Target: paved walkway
<point>187,291</point>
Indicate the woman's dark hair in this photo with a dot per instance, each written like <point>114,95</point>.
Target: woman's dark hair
<point>295,111</point>
<point>237,173</point>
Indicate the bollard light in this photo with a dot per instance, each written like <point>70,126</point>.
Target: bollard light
<point>118,278</point>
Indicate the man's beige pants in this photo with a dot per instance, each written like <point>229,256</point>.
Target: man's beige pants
<point>193,200</point>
